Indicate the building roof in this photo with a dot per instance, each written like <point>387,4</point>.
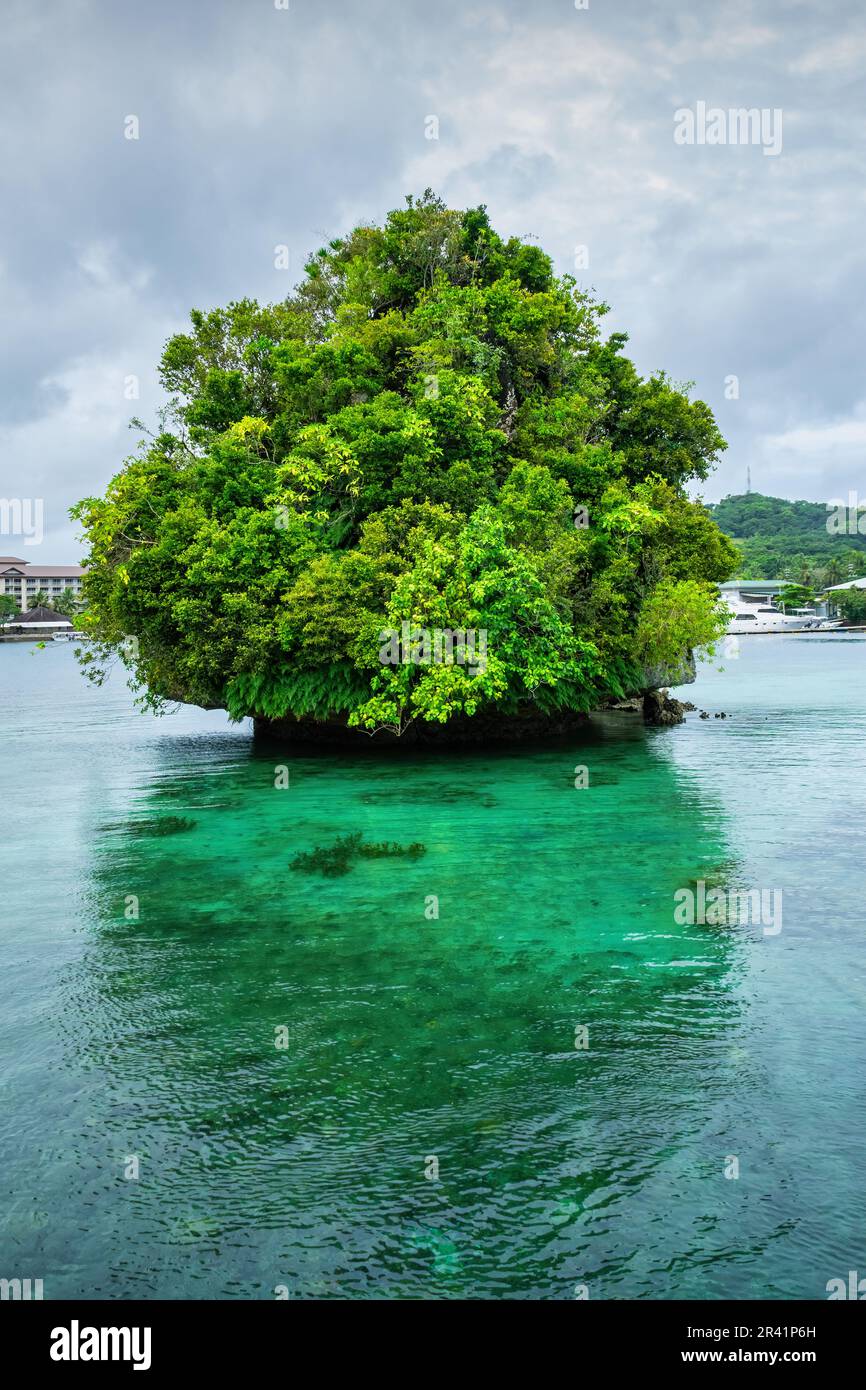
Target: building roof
<point>756,586</point>
<point>54,571</point>
<point>852,584</point>
<point>40,571</point>
<point>37,617</point>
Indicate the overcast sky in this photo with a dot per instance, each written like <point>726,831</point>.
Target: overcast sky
<point>261,126</point>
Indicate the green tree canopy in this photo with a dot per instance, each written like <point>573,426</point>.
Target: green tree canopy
<point>431,431</point>
<point>797,595</point>
<point>850,604</point>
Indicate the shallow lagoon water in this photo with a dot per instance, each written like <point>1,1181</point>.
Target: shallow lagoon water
<point>304,1166</point>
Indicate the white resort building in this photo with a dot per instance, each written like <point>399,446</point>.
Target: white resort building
<point>23,581</point>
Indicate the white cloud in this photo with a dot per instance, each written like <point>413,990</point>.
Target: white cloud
<point>845,434</point>
<point>844,53</point>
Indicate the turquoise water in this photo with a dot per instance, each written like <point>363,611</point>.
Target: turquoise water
<point>150,1039</point>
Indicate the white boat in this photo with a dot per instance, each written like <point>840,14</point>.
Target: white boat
<point>62,637</point>
<point>763,618</point>
<point>818,624</point>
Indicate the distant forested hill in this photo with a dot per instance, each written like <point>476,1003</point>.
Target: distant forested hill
<point>779,539</point>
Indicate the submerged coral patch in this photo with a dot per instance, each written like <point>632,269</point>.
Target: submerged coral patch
<point>337,859</point>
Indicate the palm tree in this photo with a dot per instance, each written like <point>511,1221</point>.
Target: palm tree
<point>66,603</point>
<point>35,600</point>
<point>834,572</point>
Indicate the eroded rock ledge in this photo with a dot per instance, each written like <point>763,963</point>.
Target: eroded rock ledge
<point>654,703</point>
<point>659,708</point>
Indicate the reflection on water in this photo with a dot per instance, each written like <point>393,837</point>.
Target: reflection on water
<point>284,1050</point>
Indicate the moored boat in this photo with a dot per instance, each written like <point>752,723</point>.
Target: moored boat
<point>764,618</point>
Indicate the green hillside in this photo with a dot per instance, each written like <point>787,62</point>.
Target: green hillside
<point>779,539</point>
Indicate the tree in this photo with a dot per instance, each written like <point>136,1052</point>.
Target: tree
<point>38,599</point>
<point>851,605</point>
<point>66,603</point>
<point>8,607</point>
<point>430,436</point>
<point>834,571</point>
<point>796,596</point>
<point>677,615</point>
<point>806,573</point>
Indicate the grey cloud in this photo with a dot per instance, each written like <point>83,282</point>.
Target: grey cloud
<point>261,127</point>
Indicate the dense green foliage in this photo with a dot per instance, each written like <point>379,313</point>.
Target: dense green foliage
<point>430,431</point>
<point>778,539</point>
<point>797,596</point>
<point>850,604</point>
